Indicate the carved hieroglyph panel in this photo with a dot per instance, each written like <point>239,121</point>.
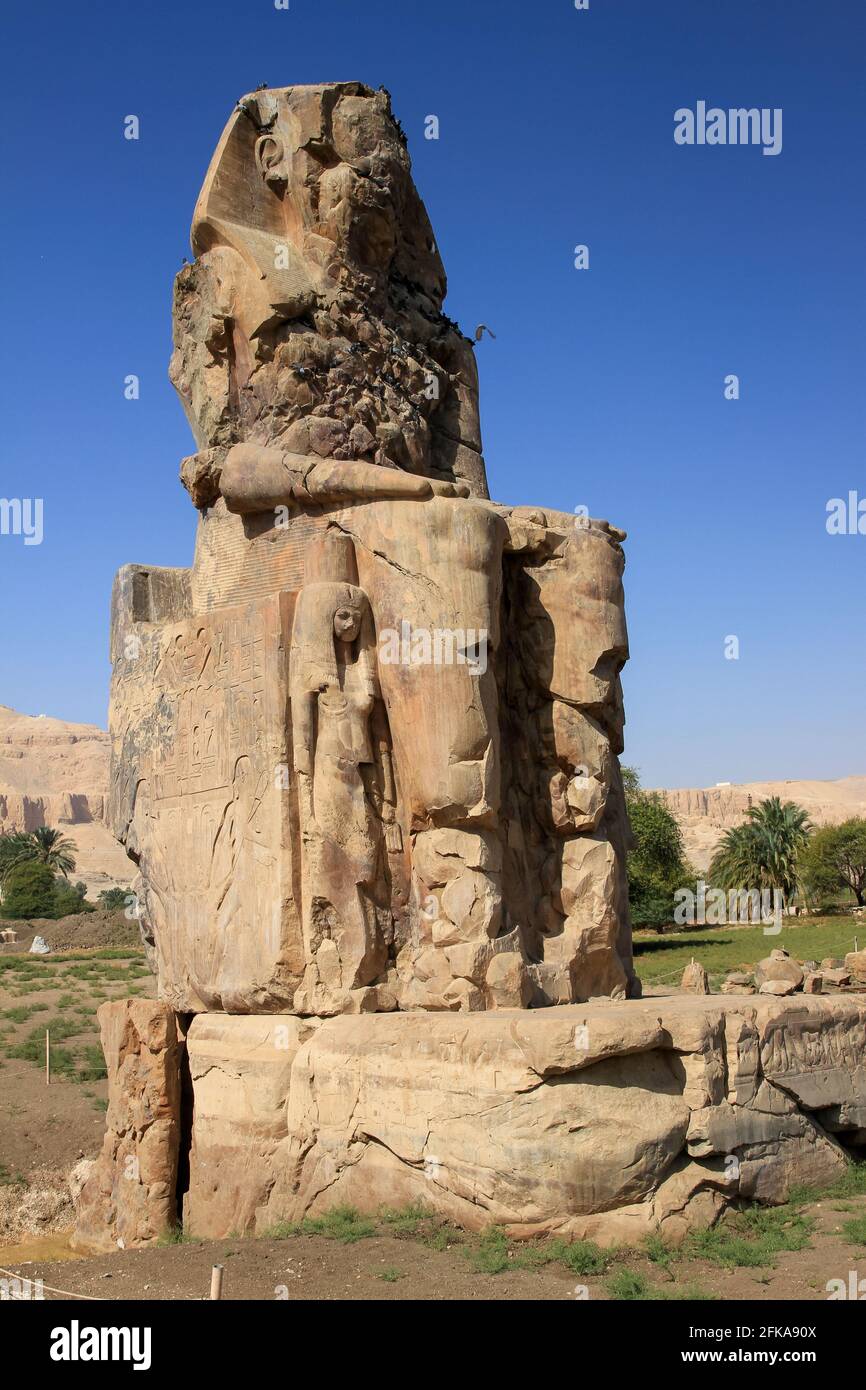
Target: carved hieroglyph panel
<point>200,773</point>
<point>241,559</point>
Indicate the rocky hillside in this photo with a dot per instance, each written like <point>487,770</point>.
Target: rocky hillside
<point>705,812</point>
<point>55,773</point>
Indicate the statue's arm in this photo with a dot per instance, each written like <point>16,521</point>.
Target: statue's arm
<point>388,807</point>
<point>256,478</point>
<point>381,735</point>
<point>303,751</point>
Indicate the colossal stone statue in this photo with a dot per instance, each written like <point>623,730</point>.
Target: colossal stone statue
<point>365,757</point>
<point>365,749</point>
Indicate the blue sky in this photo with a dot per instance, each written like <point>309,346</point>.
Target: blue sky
<point>602,388</point>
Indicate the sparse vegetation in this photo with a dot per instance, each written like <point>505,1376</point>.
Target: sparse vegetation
<point>855,1230</point>
<point>75,1052</point>
<point>721,949</point>
<point>752,1237</point>
<point>177,1236</point>
<point>490,1254</point>
<point>92,1064</point>
<point>340,1223</point>
<point>628,1285</point>
<point>22,1012</point>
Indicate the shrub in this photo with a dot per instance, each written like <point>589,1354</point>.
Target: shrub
<point>113,898</point>
<point>68,902</point>
<point>29,891</point>
<point>657,864</point>
<point>835,859</point>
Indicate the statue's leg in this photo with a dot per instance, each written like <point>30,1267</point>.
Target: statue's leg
<point>562,731</point>
<point>345,947</point>
<point>433,572</point>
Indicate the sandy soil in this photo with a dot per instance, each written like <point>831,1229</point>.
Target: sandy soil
<point>80,932</point>
<point>46,1129</point>
<point>315,1267</point>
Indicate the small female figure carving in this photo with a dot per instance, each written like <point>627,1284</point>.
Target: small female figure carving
<point>345,780</point>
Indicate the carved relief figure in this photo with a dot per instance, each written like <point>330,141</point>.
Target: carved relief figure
<point>346,791</point>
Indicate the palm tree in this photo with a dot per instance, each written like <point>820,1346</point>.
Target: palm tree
<point>736,860</point>
<point>55,851</point>
<point>783,830</point>
<point>43,844</point>
<point>12,846</point>
<point>764,851</point>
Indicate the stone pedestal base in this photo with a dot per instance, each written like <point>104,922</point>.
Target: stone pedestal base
<point>129,1198</point>
<point>604,1120</point>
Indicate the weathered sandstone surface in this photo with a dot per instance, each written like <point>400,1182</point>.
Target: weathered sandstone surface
<point>130,1196</point>
<point>367,747</point>
<point>365,758</point>
<point>241,1069</point>
<point>603,1120</point>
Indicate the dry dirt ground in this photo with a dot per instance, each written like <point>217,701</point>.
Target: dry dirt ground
<point>407,1267</point>
<point>82,931</point>
<point>44,1130</point>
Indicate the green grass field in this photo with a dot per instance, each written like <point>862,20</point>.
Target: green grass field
<point>662,959</point>
<point>76,982</point>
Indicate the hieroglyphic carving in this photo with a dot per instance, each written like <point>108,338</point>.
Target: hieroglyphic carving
<point>209,806</point>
